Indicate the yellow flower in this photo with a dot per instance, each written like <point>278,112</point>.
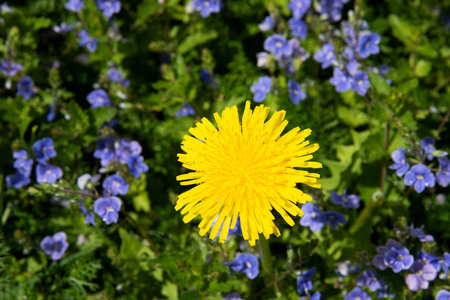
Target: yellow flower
<point>245,169</point>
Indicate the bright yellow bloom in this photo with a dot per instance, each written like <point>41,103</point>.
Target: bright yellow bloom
<point>245,169</point>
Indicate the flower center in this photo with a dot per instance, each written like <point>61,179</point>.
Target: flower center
<point>419,177</point>
<point>400,257</point>
<point>109,209</point>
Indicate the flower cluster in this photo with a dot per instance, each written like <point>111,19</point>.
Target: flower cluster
<point>421,176</point>
<point>207,7</point>
<point>107,7</point>
<point>315,218</point>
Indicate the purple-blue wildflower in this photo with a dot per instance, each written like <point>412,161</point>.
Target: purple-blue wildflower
<point>422,274</point>
<point>115,185</point>
<point>136,165</point>
<point>394,256</point>
<point>443,176</point>
<point>443,295</point>
<point>207,77</point>
<point>9,68</point>
<point>114,75</point>
<point>360,82</point>
<point>25,87</point>
<point>341,80</point>
<point>185,111</point>
<point>105,151</point>
<point>401,165</point>
<point>278,45</point>
<point>48,173</point>
<point>331,9</point>
<point>347,201</point>
<point>86,41</point>
<point>261,88</point>
<point>44,150</point>
<point>89,217</point>
<point>347,267</point>
<point>108,7</point>
<point>334,218</point>
<point>74,5</point>
<point>295,92</point>
<point>245,263</point>
<point>108,209</point>
<point>384,293</point>
<point>368,44</point>
<point>63,28</point>
<point>418,232</point>
<point>430,259</point>
<point>98,98</point>
<point>427,144</point>
<point>370,279</point>
<point>127,149</point>
<point>267,24</point>
<point>299,7</point>
<point>446,262</point>
<point>313,217</point>
<point>420,176</point>
<point>298,28</point>
<point>18,179</point>
<point>55,245</point>
<point>357,294</point>
<point>51,112</point>
<point>233,296</point>
<point>325,55</point>
<point>22,161</point>
<point>207,7</point>
<point>305,281</point>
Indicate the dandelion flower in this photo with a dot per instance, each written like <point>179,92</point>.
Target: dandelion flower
<point>245,169</point>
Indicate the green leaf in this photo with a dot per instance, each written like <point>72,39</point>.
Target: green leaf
<point>422,68</point>
<point>351,116</point>
<point>102,115</point>
<point>79,120</point>
<point>408,86</point>
<point>146,9</point>
<point>379,83</point>
<point>403,31</point>
<point>170,290</point>
<point>196,39</point>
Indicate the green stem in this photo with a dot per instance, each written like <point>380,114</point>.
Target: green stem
<point>266,258</point>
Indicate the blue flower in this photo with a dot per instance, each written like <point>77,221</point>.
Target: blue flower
<point>25,87</point>
<point>346,267</point>
<point>313,217</point>
<point>43,149</point>
<point>48,173</point>
<point>341,80</point>
<point>85,182</point>
<point>89,219</point>
<point>236,230</point>
<point>108,7</point>
<point>394,256</point>
<point>63,28</point>
<point>299,7</point>
<point>420,176</point>
<point>347,201</point>
<point>261,88</point>
<point>316,296</point>
<point>443,295</point>
<point>98,98</point>
<point>55,245</point>
<point>384,292</point>
<point>278,45</point>
<point>105,151</point>
<point>114,75</point>
<point>233,296</point>
<point>127,149</point>
<point>18,179</point>
<point>108,209</point>
<point>136,166</point>
<point>206,7</point>
<point>86,40</point>
<point>115,185</point>
<point>360,82</point>
<point>22,162</point>
<point>401,165</point>
<point>334,218</point>
<point>443,176</point>
<point>331,9</point>
<point>74,5</point>
<point>185,111</point>
<point>418,232</point>
<point>298,28</point>
<point>370,279</point>
<point>325,55</point>
<point>357,294</point>
<point>422,274</point>
<point>51,112</point>
<point>430,259</point>
<point>245,263</point>
<point>206,76</point>
<point>295,92</point>
<point>267,24</point>
<point>9,68</point>
<point>446,262</point>
<point>368,44</point>
<point>427,144</point>
<point>305,281</point>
